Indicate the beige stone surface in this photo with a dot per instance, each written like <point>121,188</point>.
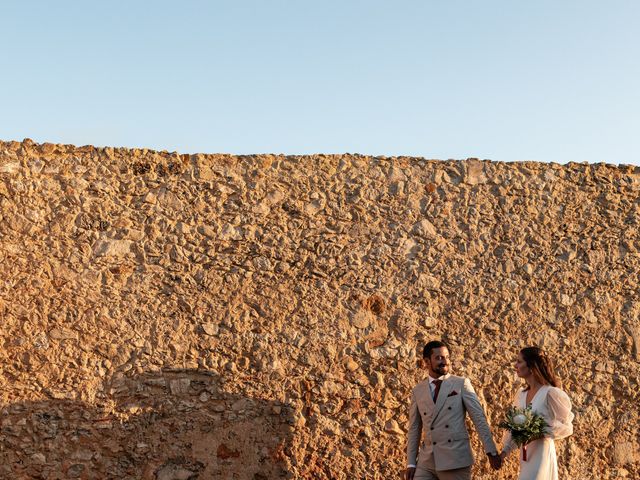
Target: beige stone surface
<point>170,316</point>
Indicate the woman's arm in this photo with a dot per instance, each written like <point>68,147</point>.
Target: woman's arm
<point>508,445</point>
<point>560,414</point>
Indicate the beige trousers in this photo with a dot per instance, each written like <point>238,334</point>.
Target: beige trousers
<point>426,473</point>
<point>426,470</point>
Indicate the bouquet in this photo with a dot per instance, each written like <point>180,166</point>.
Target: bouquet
<point>525,425</point>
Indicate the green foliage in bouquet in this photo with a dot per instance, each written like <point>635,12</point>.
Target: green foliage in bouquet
<point>525,425</point>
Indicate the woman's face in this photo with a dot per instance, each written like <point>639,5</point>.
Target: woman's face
<point>521,367</point>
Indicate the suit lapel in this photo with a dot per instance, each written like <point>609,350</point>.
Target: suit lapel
<point>425,398</point>
<point>445,390</point>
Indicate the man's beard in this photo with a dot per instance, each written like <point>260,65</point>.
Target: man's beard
<point>441,369</point>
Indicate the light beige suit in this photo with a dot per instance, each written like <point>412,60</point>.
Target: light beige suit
<point>445,439</point>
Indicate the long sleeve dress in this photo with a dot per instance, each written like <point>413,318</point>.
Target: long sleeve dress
<point>555,407</point>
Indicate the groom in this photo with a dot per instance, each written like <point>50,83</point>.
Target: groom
<point>438,406</point>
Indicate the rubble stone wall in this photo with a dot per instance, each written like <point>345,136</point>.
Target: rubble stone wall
<point>170,316</point>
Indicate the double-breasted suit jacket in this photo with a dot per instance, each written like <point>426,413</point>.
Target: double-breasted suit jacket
<point>444,433</point>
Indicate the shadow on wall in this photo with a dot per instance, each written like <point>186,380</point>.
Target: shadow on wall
<point>169,425</point>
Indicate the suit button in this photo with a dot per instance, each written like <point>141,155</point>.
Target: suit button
<point>446,426</point>
<point>431,428</point>
<point>449,440</point>
<point>434,443</point>
<point>449,408</point>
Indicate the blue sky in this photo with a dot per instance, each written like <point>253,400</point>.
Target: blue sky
<point>503,80</point>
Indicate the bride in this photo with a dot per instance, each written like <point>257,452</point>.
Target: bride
<point>538,457</point>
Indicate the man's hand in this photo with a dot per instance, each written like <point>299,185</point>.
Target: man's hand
<point>495,461</point>
<point>409,473</point>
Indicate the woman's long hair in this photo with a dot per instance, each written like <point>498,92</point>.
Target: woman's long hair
<point>540,366</point>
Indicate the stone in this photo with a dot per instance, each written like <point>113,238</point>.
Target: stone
<point>350,364</point>
<point>82,455</point>
<point>429,322</point>
<point>425,228</point>
<point>151,198</point>
<point>475,173</point>
<point>38,459</point>
<point>633,330</point>
<point>429,282</point>
<point>493,326</point>
<point>391,426</point>
<point>207,231</point>
<point>242,404</point>
<point>396,174</point>
<point>229,232</point>
<point>41,341</point>
<point>175,472</point>
<point>179,386</point>
<point>377,380</point>
<point>625,452</point>
<point>112,248</point>
<point>566,300</point>
<point>362,319</point>
<point>9,167</point>
<point>75,470</point>
<point>224,452</point>
<point>59,333</point>
<point>210,328</point>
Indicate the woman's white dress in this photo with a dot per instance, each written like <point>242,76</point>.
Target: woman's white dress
<point>555,407</point>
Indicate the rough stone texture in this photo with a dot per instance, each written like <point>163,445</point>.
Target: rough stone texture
<point>171,316</point>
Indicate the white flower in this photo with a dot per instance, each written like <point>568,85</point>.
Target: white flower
<point>519,419</point>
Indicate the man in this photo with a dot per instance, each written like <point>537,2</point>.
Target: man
<point>438,406</point>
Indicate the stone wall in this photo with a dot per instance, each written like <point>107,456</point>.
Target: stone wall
<point>171,316</point>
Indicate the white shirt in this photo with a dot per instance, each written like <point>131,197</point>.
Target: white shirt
<point>432,386</point>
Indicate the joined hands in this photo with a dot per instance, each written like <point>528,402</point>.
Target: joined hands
<point>495,461</point>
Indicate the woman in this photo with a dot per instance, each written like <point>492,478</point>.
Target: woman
<point>545,398</point>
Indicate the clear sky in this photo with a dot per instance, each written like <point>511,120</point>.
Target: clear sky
<point>504,80</point>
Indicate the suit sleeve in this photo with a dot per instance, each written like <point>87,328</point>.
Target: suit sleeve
<point>414,431</point>
<point>476,412</point>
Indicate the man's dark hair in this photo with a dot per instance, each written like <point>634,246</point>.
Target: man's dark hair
<point>431,346</point>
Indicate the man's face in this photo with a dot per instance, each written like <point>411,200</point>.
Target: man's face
<point>439,362</point>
